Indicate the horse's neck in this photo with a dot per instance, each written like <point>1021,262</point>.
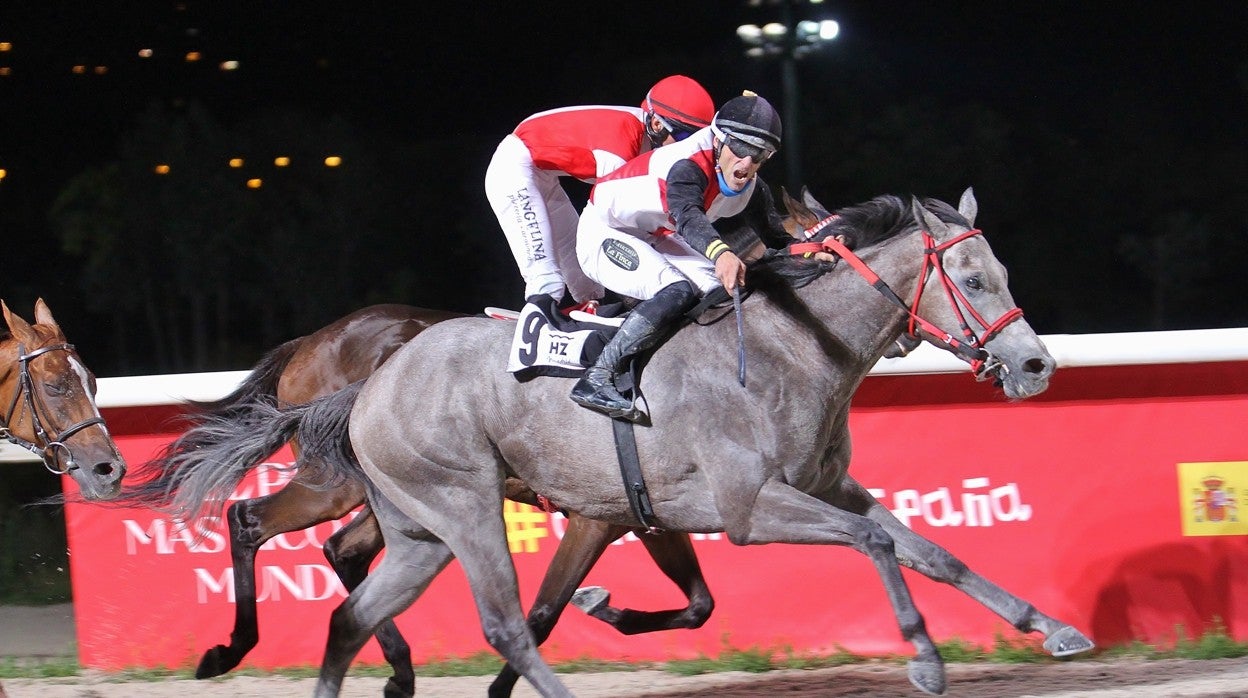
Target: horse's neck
<point>849,317</point>
<point>8,376</point>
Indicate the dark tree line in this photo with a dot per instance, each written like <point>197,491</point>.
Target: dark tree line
<point>195,270</point>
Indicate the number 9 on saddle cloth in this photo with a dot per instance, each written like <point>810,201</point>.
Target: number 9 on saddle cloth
<point>549,343</point>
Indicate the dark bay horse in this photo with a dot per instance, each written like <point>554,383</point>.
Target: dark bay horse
<point>298,371</point>
<point>439,428</point>
<point>47,395</point>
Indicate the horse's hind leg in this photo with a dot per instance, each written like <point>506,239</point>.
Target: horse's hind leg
<point>933,561</point>
<point>350,551</point>
<point>673,553</point>
<point>413,558</point>
<point>252,522</point>
<point>582,544</point>
<point>463,507</point>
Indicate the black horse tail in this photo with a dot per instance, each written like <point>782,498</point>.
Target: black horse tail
<point>260,383</point>
<point>203,467</point>
<point>324,439</point>
<point>153,484</point>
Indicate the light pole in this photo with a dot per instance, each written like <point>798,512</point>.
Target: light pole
<point>788,41</point>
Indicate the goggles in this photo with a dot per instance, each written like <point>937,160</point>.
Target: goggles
<point>748,150</point>
<point>678,130</point>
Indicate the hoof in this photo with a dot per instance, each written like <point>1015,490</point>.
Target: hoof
<point>1066,642</point>
<point>927,676</point>
<point>394,690</point>
<point>210,664</point>
<point>591,599</point>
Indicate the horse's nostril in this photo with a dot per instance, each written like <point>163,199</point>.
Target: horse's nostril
<point>1036,366</point>
<point>103,469</point>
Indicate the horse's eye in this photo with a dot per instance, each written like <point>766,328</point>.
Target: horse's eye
<point>974,283</point>
<point>55,390</point>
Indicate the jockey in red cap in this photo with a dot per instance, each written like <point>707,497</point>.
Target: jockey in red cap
<point>587,142</point>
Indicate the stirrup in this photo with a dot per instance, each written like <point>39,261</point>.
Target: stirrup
<point>612,410</point>
<point>599,399</point>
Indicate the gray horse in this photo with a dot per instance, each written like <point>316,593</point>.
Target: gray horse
<point>442,424</point>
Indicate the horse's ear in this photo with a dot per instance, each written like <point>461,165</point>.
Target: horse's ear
<point>790,204</point>
<point>800,218</point>
<point>19,327</point>
<point>810,202</point>
<point>43,315</point>
<point>968,207</point>
<point>927,220</point>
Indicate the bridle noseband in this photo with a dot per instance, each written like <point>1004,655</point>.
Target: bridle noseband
<point>51,447</point>
<point>971,348</point>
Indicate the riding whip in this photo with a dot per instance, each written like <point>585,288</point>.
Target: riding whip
<point>736,306</point>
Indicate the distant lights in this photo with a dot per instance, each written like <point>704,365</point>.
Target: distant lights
<point>229,65</point>
<point>238,163</point>
<point>5,46</point>
<point>145,53</point>
<point>82,69</point>
<point>192,56</point>
<point>3,173</point>
<point>5,71</point>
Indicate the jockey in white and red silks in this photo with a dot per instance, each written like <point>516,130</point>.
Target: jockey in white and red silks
<point>647,232</point>
<point>585,142</point>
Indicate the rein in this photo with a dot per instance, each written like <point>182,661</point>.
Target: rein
<point>52,446</point>
<point>971,349</point>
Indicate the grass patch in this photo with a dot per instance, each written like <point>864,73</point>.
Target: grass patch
<point>13,668</point>
<point>756,660</point>
<point>1213,644</point>
<point>479,664</point>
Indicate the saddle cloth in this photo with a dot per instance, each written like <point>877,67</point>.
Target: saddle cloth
<point>548,343</point>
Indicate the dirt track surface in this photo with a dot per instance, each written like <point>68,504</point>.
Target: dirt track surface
<point>1124,678</point>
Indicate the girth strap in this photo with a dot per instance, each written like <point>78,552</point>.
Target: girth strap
<point>630,469</point>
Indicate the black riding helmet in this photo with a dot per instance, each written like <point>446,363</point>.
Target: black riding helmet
<point>749,126</point>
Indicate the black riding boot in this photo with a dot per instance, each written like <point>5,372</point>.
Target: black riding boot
<point>641,330</point>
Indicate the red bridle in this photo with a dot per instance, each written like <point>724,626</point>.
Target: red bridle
<point>971,348</point>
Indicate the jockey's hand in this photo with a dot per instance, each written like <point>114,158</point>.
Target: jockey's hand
<point>730,270</point>
<point>828,256</point>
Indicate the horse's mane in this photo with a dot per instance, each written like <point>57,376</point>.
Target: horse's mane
<point>860,226</point>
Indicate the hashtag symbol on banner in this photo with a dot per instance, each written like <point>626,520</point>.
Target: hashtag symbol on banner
<point>525,526</point>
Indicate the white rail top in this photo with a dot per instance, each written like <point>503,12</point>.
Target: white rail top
<point>1127,348</point>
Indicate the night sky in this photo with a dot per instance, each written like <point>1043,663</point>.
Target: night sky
<point>419,70</point>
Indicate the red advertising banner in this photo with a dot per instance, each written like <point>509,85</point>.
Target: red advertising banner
<point>1120,515</point>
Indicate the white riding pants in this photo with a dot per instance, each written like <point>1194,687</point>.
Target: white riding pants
<point>539,221</point>
<point>638,265</point>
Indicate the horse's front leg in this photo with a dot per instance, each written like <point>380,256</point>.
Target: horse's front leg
<point>673,552</point>
<point>932,561</point>
<point>783,514</point>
